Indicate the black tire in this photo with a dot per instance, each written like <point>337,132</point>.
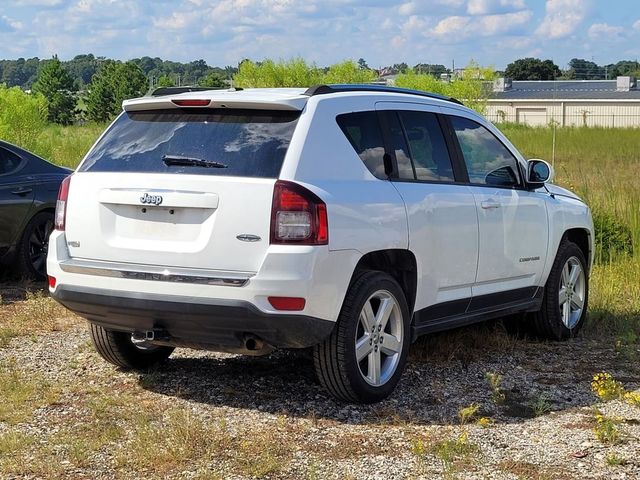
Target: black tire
<point>548,322</point>
<point>34,243</point>
<point>335,361</point>
<point>117,348</point>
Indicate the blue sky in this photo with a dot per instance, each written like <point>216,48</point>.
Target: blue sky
<point>493,32</point>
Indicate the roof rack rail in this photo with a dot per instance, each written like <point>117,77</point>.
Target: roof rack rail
<point>325,89</point>
<point>159,92</point>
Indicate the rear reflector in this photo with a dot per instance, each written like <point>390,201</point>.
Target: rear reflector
<point>287,303</point>
<point>191,103</point>
<point>52,282</point>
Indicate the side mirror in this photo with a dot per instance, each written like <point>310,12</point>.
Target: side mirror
<point>539,172</point>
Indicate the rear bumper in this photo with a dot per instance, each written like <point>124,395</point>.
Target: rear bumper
<point>192,321</point>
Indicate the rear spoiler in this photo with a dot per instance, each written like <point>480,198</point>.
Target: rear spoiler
<point>218,99</point>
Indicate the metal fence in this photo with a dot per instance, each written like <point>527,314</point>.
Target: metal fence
<point>584,119</point>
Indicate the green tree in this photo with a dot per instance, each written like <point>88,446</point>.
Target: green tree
<point>212,80</point>
<point>113,83</point>
<point>297,73</point>
<point>57,86</point>
<point>283,73</point>
<point>22,117</point>
<point>435,70</point>
<point>623,68</point>
<point>581,69</point>
<point>165,81</point>
<point>348,72</point>
<point>468,88</point>
<point>532,69</point>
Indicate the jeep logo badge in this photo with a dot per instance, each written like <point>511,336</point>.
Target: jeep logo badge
<point>151,199</point>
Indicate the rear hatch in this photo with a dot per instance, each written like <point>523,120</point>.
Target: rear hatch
<point>180,187</point>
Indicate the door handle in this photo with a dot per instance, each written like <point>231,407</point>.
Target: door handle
<point>22,191</point>
<point>489,204</point>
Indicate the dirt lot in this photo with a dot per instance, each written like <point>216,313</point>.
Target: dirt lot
<point>474,403</point>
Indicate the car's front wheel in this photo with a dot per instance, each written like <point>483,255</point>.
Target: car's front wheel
<point>364,357</point>
<point>120,349</point>
<point>566,295</point>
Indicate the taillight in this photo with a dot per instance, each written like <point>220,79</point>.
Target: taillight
<point>297,216</point>
<point>61,204</point>
<point>52,282</point>
<point>191,103</point>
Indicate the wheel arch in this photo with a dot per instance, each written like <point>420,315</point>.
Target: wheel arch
<point>582,238</point>
<point>399,263</point>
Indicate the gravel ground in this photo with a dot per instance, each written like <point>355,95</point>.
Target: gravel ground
<point>402,437</point>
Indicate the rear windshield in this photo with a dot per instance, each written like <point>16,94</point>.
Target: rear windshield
<point>247,143</point>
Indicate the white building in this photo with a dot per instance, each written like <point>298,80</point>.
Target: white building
<point>602,103</point>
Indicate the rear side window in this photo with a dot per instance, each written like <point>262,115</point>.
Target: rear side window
<point>362,129</point>
<point>248,143</point>
<point>427,146</point>
<point>9,161</point>
<point>488,161</point>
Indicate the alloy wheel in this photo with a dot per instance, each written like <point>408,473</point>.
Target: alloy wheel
<point>379,338</point>
<point>571,295</point>
<point>39,245</point>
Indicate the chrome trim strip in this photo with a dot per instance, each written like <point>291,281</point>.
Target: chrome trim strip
<point>155,273</point>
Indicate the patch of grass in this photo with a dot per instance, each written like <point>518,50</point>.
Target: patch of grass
<point>614,460</point>
<point>539,406</point>
<point>37,313</point>
<point>166,443</point>
<point>455,453</point>
<point>468,413</point>
<point>495,384</point>
<point>22,393</point>
<point>530,471</point>
<point>12,442</point>
<point>605,429</point>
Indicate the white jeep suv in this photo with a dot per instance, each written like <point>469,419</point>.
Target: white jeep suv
<point>346,218</point>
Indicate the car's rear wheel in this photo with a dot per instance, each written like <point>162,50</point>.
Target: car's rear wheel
<point>364,357</point>
<point>34,244</point>
<point>566,294</point>
<point>120,349</point>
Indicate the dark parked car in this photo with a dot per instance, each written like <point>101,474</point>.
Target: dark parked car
<point>28,192</point>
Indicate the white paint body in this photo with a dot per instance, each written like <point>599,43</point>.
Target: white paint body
<point>461,249</point>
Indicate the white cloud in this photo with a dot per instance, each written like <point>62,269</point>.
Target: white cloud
<point>407,8</point>
<point>9,25</point>
<point>485,7</point>
<point>604,30</point>
<point>463,27</point>
<point>562,18</point>
<point>451,26</point>
<point>636,25</point>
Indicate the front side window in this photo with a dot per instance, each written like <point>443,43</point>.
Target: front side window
<point>228,142</point>
<point>362,129</point>
<point>488,161</point>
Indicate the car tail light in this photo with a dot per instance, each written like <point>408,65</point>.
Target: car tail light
<point>298,216</point>
<point>191,103</point>
<point>52,282</point>
<point>61,204</point>
<point>287,303</point>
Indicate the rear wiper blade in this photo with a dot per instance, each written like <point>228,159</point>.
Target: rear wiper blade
<point>191,162</point>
